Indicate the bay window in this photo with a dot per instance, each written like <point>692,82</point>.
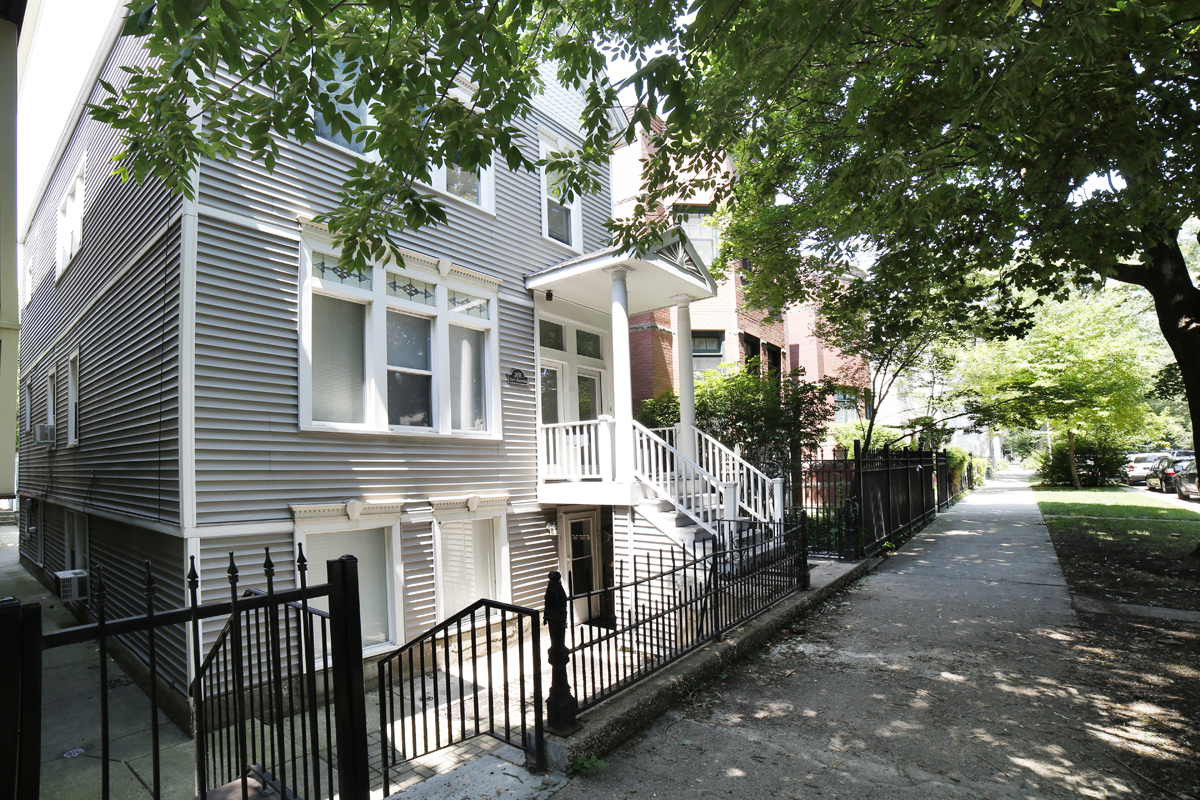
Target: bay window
<point>398,349</point>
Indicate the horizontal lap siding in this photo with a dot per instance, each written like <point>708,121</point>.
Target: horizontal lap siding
<point>249,554</point>
<point>251,459</point>
<point>122,551</point>
<point>127,459</point>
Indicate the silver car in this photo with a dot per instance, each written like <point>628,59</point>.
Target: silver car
<point>1140,464</point>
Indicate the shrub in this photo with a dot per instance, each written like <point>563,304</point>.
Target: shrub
<point>1098,463</point>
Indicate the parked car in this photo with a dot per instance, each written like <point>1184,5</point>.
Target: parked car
<point>1140,464</point>
<point>1184,453</point>
<point>1186,485</point>
<point>1161,476</point>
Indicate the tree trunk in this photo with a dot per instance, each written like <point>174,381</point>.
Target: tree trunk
<point>1177,305</point>
<point>1071,460</point>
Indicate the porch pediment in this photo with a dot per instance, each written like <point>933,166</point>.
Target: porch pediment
<point>655,280</point>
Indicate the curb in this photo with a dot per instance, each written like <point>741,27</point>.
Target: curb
<point>614,721</point>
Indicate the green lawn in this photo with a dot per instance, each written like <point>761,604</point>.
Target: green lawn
<point>1123,546</point>
<point>1111,501</point>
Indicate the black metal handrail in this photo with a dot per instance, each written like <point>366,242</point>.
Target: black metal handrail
<point>429,716</point>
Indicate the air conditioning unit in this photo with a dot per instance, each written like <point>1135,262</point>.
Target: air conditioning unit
<point>72,585</point>
<point>43,433</point>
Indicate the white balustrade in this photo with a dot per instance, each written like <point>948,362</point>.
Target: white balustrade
<point>574,451</point>
<point>680,481</point>
<point>757,494</point>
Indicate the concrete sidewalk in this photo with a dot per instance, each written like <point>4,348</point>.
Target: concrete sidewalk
<point>71,764</point>
<point>948,673</point>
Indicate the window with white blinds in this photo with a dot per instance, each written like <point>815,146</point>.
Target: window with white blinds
<point>370,548</point>
<point>467,569</point>
<point>391,352</point>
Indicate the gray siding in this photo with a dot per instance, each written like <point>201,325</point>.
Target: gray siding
<point>251,458</point>
<point>127,337</point>
<point>123,551</point>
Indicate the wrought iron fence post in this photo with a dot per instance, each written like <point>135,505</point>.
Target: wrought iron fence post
<point>349,697</point>
<point>29,755</point>
<point>561,705</point>
<point>21,697</point>
<point>806,580</point>
<point>855,517</point>
<point>10,691</point>
<point>199,726</point>
<point>888,527</point>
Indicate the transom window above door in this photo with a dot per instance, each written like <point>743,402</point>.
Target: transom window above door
<point>397,350</point>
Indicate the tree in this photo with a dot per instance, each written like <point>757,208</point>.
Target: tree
<point>885,338</point>
<point>411,87</point>
<point>1081,369</point>
<point>772,419</point>
<point>1051,145</point>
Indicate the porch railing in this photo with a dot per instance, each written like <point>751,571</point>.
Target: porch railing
<point>574,451</point>
<point>760,497</point>
<point>681,482</point>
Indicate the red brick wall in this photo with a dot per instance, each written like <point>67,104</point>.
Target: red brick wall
<point>651,354</point>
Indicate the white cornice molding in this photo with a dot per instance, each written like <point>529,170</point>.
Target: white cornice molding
<point>470,502</point>
<point>348,509</point>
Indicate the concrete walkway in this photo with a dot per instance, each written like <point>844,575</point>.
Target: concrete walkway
<point>948,673</point>
<point>71,763</point>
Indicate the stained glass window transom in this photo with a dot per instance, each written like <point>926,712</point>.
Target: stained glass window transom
<point>464,303</point>
<point>327,268</point>
<point>407,288</point>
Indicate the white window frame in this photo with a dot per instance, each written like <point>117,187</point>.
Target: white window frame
<point>437,174</point>
<point>573,365</point>
<point>51,398</point>
<point>501,555</point>
<point>550,144</point>
<point>395,574</point>
<point>73,399</point>
<point>378,302</point>
<point>70,220</point>
<point>75,529</point>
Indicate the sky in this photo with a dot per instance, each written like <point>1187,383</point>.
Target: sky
<point>66,37</point>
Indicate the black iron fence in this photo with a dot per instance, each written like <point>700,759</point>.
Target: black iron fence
<point>259,682</point>
<point>665,604</point>
<point>478,673</point>
<point>862,506</point>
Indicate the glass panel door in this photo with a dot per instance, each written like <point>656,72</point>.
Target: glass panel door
<point>589,396</point>
<point>548,384</point>
<point>582,553</point>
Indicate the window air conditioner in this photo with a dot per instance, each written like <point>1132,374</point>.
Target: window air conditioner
<point>72,585</point>
<point>43,433</point>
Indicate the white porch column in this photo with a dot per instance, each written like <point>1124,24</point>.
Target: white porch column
<point>687,384</point>
<point>622,378</point>
<point>9,313</point>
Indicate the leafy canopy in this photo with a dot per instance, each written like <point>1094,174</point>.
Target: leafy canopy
<point>1083,368</point>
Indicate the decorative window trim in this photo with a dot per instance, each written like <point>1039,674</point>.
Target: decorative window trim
<point>51,397</point>
<point>378,302</point>
<point>393,541</point>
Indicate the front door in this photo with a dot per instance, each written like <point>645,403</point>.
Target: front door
<point>552,392</point>
<point>588,394</point>
<point>589,563</point>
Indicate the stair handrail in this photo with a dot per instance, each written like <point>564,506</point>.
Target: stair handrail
<point>756,491</point>
<point>674,477</point>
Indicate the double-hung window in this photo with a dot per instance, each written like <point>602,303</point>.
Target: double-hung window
<point>73,399</point>
<point>70,220</point>
<point>399,349</point>
<point>562,219</point>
